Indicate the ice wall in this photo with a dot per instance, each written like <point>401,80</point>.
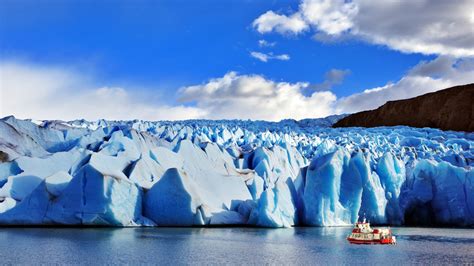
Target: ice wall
<point>200,173</point>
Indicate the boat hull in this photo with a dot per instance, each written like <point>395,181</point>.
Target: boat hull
<point>387,241</point>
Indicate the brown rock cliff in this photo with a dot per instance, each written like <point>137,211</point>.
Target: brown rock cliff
<point>448,109</point>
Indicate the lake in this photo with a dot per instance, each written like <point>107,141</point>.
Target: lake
<point>229,246</point>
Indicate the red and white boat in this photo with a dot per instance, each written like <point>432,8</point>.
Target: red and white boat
<point>362,233</point>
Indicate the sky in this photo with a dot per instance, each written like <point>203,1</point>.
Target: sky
<point>227,59</point>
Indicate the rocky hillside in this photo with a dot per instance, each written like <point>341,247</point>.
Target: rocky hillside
<point>448,109</point>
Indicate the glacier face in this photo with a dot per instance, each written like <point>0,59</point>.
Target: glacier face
<point>201,172</point>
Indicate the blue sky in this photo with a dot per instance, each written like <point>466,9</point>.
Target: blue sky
<point>160,48</point>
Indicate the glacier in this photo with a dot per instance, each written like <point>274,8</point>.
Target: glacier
<point>232,172</point>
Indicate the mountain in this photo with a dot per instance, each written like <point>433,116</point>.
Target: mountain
<point>257,173</point>
<point>448,109</point>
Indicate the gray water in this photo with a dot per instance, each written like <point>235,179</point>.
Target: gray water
<point>229,246</point>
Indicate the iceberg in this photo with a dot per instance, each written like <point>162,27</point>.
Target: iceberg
<point>232,172</point>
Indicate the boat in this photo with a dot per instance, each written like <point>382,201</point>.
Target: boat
<point>362,233</point>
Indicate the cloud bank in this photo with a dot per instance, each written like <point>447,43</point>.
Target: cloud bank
<point>39,92</point>
<point>422,26</point>
<point>427,76</point>
<point>255,97</point>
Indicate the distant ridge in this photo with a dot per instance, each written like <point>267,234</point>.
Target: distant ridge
<point>448,109</point>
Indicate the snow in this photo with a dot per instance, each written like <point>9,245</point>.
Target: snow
<point>230,172</point>
<point>56,183</point>
<point>7,204</point>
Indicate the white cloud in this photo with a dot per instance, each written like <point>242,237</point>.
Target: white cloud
<point>263,43</point>
<point>427,27</point>
<point>271,21</point>
<point>265,57</point>
<point>283,57</point>
<point>260,56</point>
<point>330,16</point>
<point>255,97</point>
<point>32,91</point>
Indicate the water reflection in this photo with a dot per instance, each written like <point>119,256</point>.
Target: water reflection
<point>424,238</point>
<point>228,245</point>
